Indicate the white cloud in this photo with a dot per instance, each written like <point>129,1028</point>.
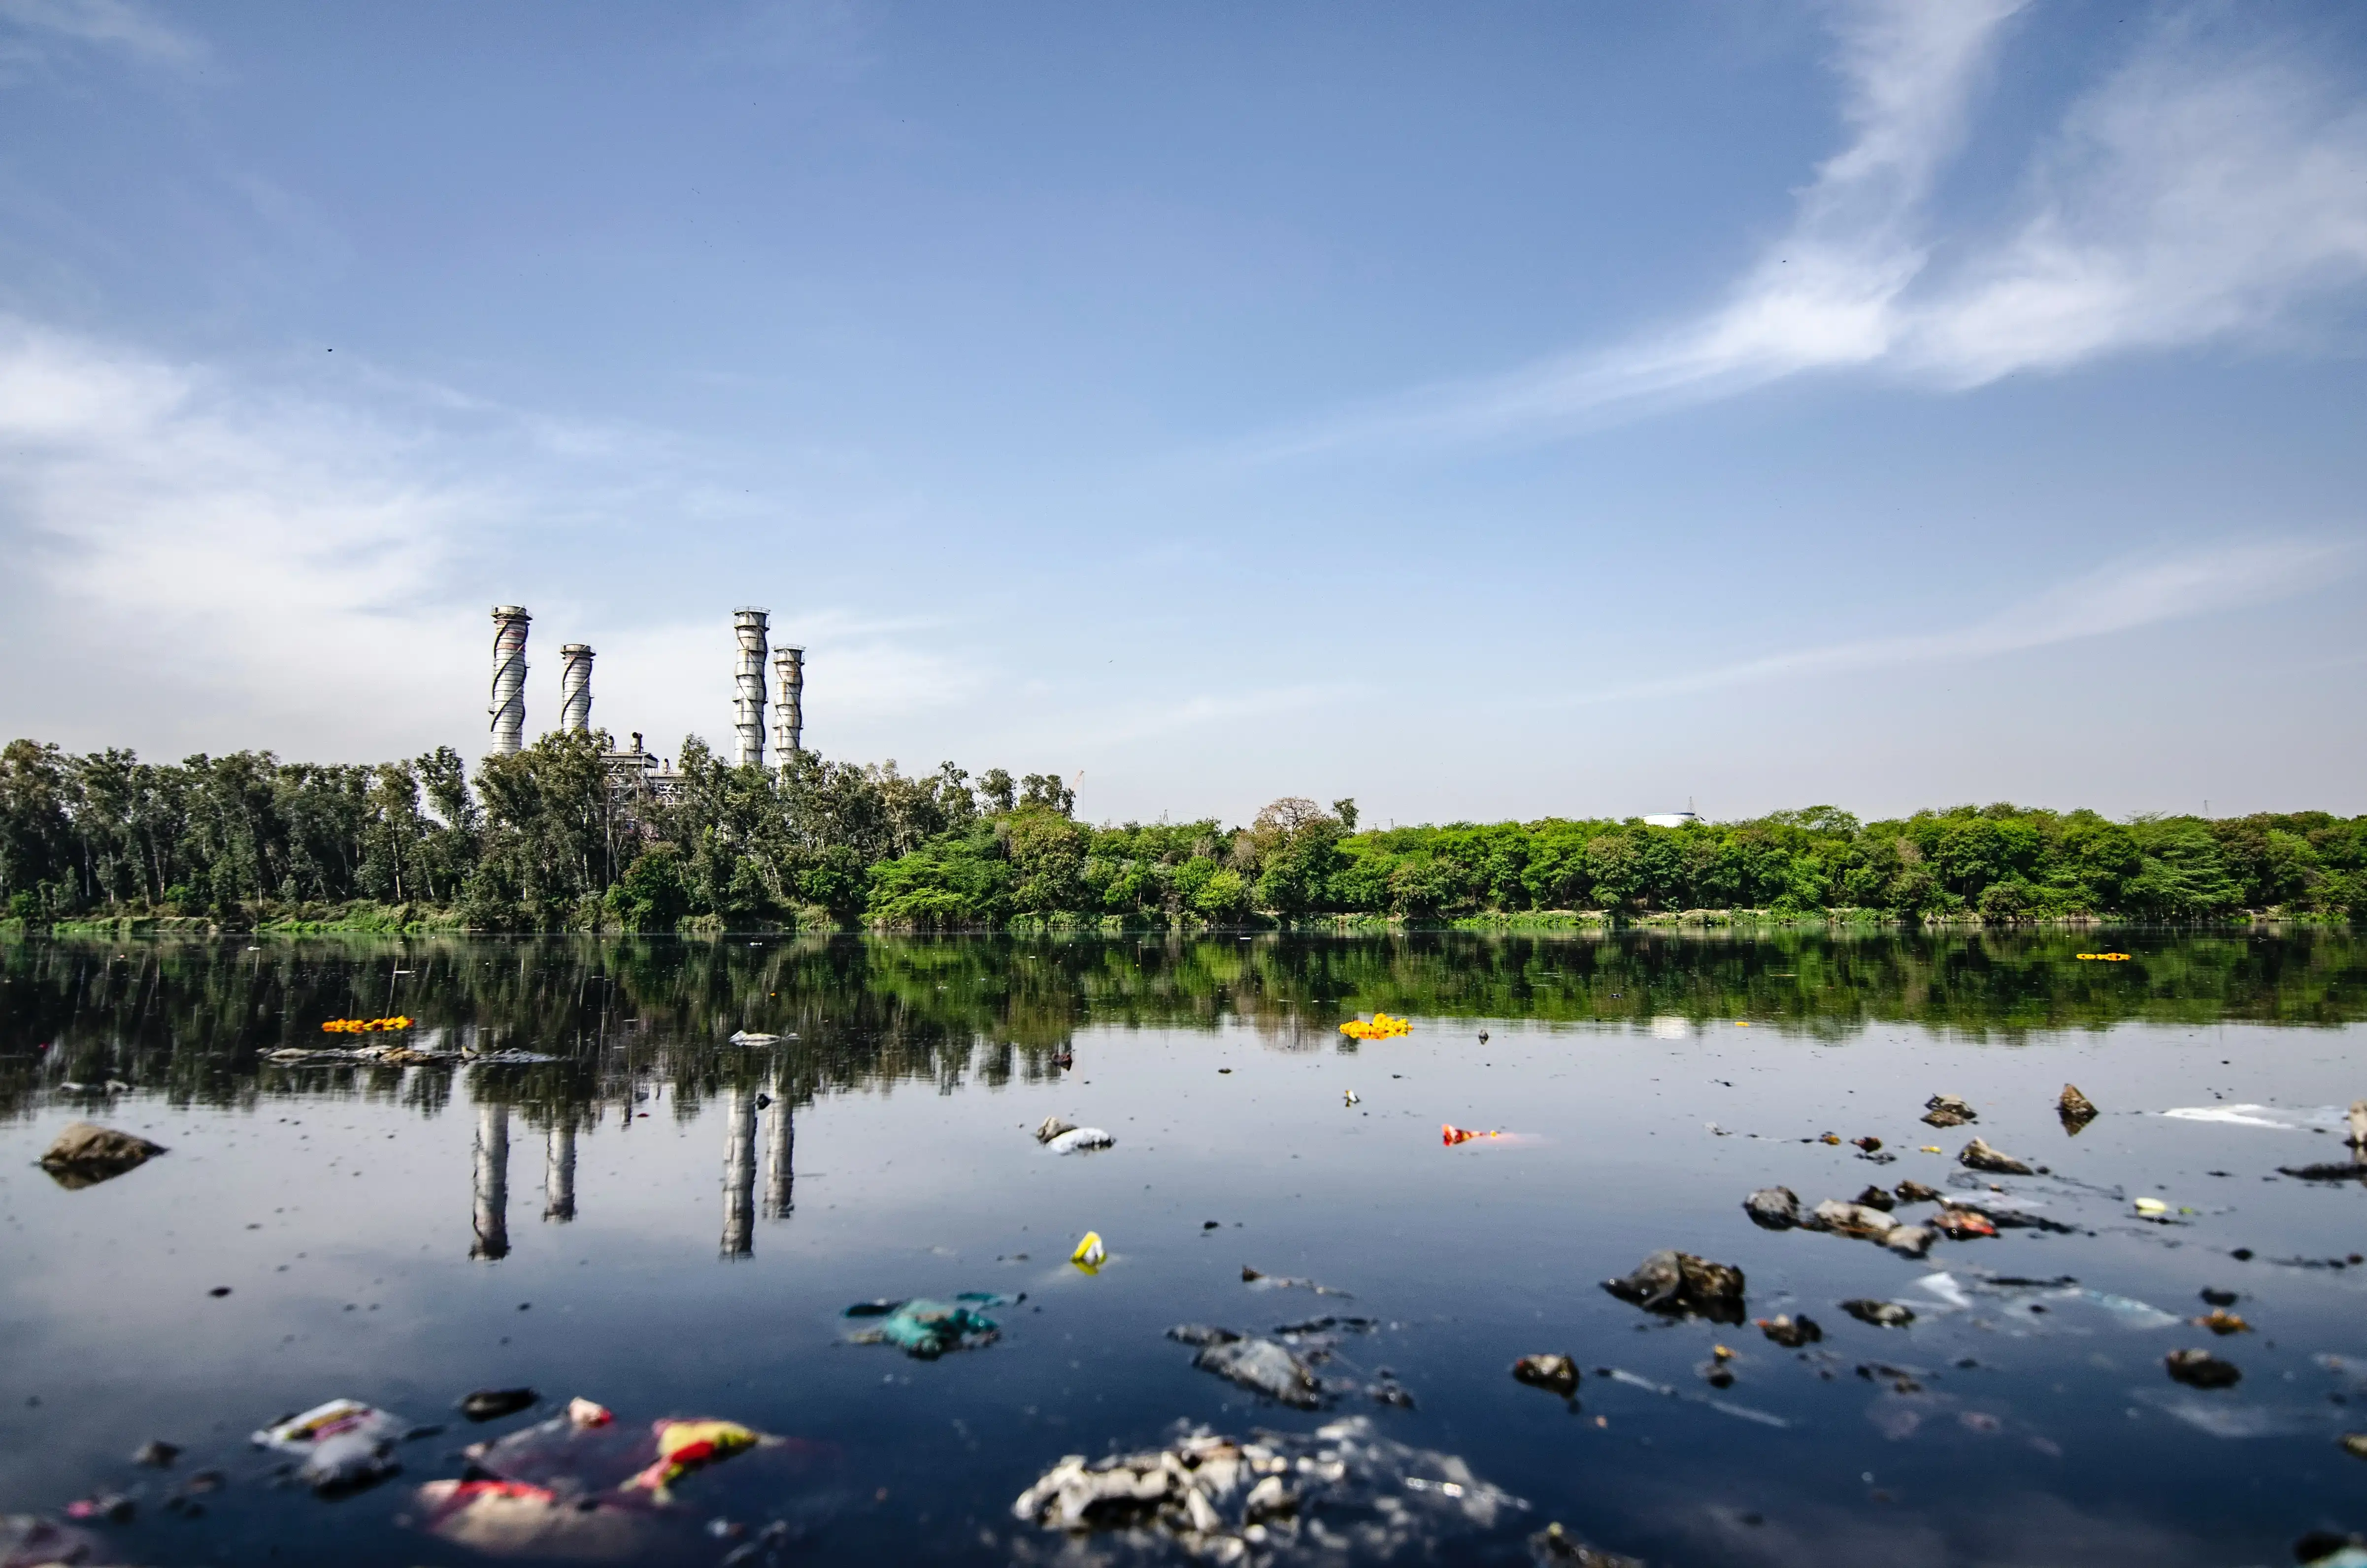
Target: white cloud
<point>186,540</point>
<point>2201,192</point>
<point>2120,597</point>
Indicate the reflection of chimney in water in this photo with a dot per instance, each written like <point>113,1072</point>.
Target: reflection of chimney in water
<point>558,1172</point>
<point>739,1175</point>
<point>492,1182</point>
<point>780,1138</point>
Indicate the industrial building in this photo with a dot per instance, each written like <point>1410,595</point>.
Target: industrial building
<point>636,771</point>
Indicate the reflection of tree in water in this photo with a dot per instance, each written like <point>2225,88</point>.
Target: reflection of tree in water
<point>194,1021</point>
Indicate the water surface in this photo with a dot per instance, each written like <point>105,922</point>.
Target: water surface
<point>627,1223</point>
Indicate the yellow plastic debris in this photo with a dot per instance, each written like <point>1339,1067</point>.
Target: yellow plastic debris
<point>1090,1254</point>
<point>2152,1205</point>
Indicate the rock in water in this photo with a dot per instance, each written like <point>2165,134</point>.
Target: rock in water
<point>1874,1197</point>
<point>1678,1283</point>
<point>1880,1314</point>
<point>1948,1111</point>
<point>1916,1192</point>
<point>2076,1109</point>
<point>1911,1241</point>
<point>1558,1373</point>
<point>86,1154</point>
<point>1979,1156</point>
<point>491,1404</point>
<point>1791,1333</point>
<point>2201,1369</point>
<point>1848,1220</point>
<point>1774,1208</point>
<point>1263,1366</point>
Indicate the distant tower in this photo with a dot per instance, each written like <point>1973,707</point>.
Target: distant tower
<point>748,705</point>
<point>575,687</point>
<point>790,703</point>
<point>508,707</point>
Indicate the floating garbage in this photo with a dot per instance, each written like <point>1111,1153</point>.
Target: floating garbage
<point>111,1507</point>
<point>2076,1110</point>
<point>2201,1369</point>
<point>1977,1155</point>
<point>744,1037</point>
<point>2270,1117</point>
<point>1963,1224</point>
<point>344,1444</point>
<point>926,1329</point>
<point>84,1154</point>
<point>1381,1027</point>
<point>1678,1283</point>
<point>1079,1138</point>
<point>1262,1366</point>
<point>1724,1406</point>
<point>1789,1332</point>
<point>2104,958</point>
<point>1450,1134</point>
<point>1348,1098</point>
<point>1284,1282</point>
<point>1880,1314</point>
<point>2355,1444</point>
<point>363,1026</point>
<point>1090,1254</point>
<point>1553,1544</point>
<point>687,1446</point>
<point>1774,1208</point>
<point>2221,1322</point>
<point>1052,1128</point>
<point>157,1454</point>
<point>2323,1548</point>
<point>516,1518</point>
<point>1338,1493</point>
<point>1948,1111</point>
<point>28,1540</point>
<point>491,1404</point>
<point>1557,1374</point>
<point>506,1058</point>
<point>581,1485</point>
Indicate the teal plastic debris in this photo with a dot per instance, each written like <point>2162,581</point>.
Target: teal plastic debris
<point>927,1329</point>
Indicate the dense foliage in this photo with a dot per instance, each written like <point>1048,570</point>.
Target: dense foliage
<point>542,841</point>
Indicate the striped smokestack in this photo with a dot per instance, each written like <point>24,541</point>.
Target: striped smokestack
<point>575,687</point>
<point>509,706</point>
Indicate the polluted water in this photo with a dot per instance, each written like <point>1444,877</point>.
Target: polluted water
<point>839,1249</point>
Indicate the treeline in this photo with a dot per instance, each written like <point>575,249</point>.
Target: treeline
<point>542,840</point>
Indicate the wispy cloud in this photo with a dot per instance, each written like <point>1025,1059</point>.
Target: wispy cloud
<point>2202,190</point>
<point>125,28</point>
<point>182,534</point>
<point>2124,597</point>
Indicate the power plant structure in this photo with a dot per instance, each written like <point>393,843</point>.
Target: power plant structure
<point>749,626</point>
<point>575,688</point>
<point>509,706</point>
<point>789,704</point>
<point>637,772</point>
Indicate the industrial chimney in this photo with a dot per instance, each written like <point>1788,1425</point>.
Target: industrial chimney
<point>748,705</point>
<point>790,703</point>
<point>508,707</point>
<point>575,687</point>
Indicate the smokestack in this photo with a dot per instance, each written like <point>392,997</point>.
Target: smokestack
<point>748,705</point>
<point>575,687</point>
<point>508,707</point>
<point>789,711</point>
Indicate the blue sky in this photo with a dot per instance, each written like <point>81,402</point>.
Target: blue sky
<point>1483,412</point>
